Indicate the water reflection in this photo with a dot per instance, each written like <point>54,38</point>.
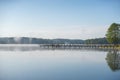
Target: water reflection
<point>70,64</point>
<point>113,60</point>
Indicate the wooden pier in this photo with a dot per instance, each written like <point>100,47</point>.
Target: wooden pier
<point>77,46</point>
<point>26,47</point>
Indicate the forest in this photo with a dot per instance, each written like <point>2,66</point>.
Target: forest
<point>28,40</point>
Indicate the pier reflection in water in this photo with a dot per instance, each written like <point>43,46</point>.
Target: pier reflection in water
<point>113,59</point>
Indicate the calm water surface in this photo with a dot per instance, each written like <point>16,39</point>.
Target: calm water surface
<point>60,65</point>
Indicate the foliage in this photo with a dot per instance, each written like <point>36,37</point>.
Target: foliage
<point>28,40</point>
<point>113,33</point>
<point>96,41</point>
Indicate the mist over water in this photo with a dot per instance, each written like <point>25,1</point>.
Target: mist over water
<point>58,64</point>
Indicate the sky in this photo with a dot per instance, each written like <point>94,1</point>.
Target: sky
<point>72,19</point>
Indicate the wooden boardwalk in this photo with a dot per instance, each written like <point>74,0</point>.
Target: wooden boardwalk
<point>77,45</point>
<point>26,47</point>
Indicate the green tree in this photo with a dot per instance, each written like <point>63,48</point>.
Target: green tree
<point>113,33</point>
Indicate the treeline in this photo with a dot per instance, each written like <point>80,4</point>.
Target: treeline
<point>27,40</point>
<point>96,41</point>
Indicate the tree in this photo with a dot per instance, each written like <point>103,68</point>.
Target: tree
<point>113,33</point>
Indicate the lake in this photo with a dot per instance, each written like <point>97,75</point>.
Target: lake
<point>65,64</point>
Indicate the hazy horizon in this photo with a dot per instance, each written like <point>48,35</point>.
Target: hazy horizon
<point>51,19</point>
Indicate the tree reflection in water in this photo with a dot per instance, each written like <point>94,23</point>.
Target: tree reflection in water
<point>113,60</point>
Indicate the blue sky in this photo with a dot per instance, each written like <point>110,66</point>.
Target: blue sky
<point>81,19</point>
